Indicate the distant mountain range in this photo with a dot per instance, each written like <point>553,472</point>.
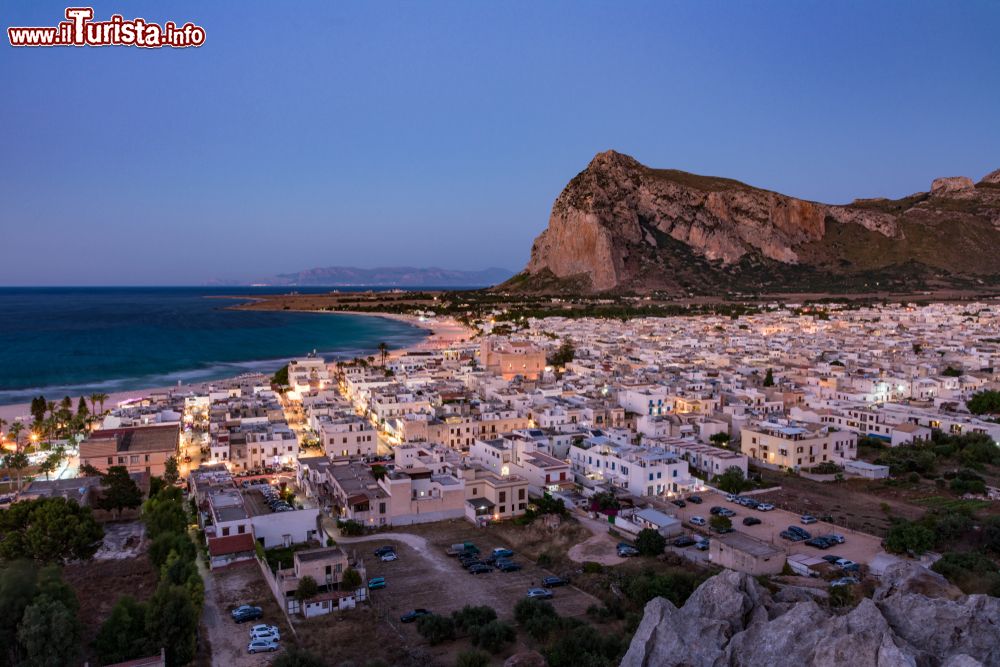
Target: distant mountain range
<point>620,226</point>
<point>389,276</point>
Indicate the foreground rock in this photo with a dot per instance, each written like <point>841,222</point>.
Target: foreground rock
<point>915,619</point>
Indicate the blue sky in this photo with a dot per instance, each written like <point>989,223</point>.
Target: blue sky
<point>439,133</point>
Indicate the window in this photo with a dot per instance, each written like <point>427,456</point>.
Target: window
<point>503,497</point>
<point>520,494</point>
<point>225,531</point>
<point>651,479</point>
<point>242,529</point>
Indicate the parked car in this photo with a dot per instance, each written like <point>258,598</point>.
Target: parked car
<point>501,552</point>
<point>695,499</point>
<point>764,507</point>
<point>540,593</point>
<point>508,566</point>
<point>679,502</point>
<point>265,632</point>
<point>376,582</point>
<point>715,510</point>
<point>848,565</point>
<point>625,550</point>
<point>248,614</point>
<point>751,521</point>
<point>845,581</point>
<point>387,549</point>
<point>264,628</point>
<point>819,543</point>
<point>831,558</point>
<point>697,521</point>
<point>730,498</point>
<point>726,512</point>
<point>242,608</point>
<point>802,532</point>
<point>807,519</point>
<point>834,537</point>
<point>411,616</point>
<point>388,557</point>
<point>550,582</point>
<point>790,536</point>
<point>262,645</point>
<point>684,541</point>
<point>702,545</point>
<point>480,568</point>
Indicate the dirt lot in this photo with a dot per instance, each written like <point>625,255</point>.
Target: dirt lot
<point>230,587</point>
<point>859,547</point>
<point>99,584</point>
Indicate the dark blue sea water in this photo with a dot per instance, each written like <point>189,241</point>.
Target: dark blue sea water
<point>59,341</point>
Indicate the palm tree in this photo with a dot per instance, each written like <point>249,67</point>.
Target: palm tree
<point>16,461</point>
<point>94,400</point>
<point>100,399</point>
<point>15,434</point>
<point>383,350</point>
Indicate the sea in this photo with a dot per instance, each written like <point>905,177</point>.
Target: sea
<point>58,341</point>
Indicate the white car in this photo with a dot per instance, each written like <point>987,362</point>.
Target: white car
<point>262,645</point>
<point>697,521</point>
<point>265,632</point>
<point>765,507</point>
<point>389,557</point>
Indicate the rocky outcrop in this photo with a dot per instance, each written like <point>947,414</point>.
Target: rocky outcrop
<point>619,225</point>
<point>732,621</point>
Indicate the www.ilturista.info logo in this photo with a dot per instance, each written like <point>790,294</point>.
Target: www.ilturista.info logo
<point>80,30</point>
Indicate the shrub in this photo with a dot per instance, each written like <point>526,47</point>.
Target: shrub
<point>308,588</point>
<point>590,567</point>
<point>650,542</point>
<point>470,617</point>
<point>473,659</point>
<point>436,629</point>
<point>908,537</point>
<point>494,636</point>
<point>841,596</point>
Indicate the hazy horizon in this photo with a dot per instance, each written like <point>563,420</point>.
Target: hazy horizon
<point>417,134</point>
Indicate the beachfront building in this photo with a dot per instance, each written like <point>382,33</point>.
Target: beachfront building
<point>308,375</point>
<point>139,449</point>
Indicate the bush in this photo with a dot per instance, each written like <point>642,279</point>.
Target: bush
<point>308,588</point>
<point>470,617</point>
<point>473,659</point>
<point>908,537</point>
<point>494,636</point>
<point>351,579</point>
<point>590,567</point>
<point>841,596</point>
<point>582,647</point>
<point>436,629</point>
<point>675,586</point>
<point>972,572</point>
<point>650,542</point>
<point>351,528</point>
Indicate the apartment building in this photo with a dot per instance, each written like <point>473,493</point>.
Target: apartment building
<point>707,459</point>
<point>517,454</point>
<point>139,449</point>
<point>254,446</point>
<point>508,359</point>
<point>346,435</point>
<point>797,445</point>
<point>642,471</point>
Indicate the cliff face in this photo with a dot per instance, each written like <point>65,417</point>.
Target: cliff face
<point>619,225</point>
<point>914,619</point>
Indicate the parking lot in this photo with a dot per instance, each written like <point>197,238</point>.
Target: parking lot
<point>429,579</point>
<point>859,547</point>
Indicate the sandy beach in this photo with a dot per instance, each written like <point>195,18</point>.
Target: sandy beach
<point>441,334</point>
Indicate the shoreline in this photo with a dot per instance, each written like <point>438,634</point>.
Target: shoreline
<point>438,334</point>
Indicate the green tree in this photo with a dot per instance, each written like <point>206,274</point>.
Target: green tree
<point>16,461</point>
<point>49,633</point>
<point>731,481</point>
<point>494,636</point>
<point>436,629</point>
<point>172,623</point>
<point>164,513</point>
<point>166,543</point>
<point>984,402</point>
<point>280,377</point>
<point>649,542</point>
<point>720,438</point>
<point>118,491</point>
<point>720,524</point>
<point>18,587</point>
<point>351,579</point>
<point>123,635</point>
<point>81,408</point>
<point>383,351</point>
<point>769,378</point>
<point>563,355</point>
<point>909,537</point>
<point>470,616</point>
<point>170,472</point>
<point>582,647</point>
<point>49,530</point>
<point>308,588</point>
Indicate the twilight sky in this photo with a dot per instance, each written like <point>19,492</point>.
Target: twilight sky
<point>427,133</point>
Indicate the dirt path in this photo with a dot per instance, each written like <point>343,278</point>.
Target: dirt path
<point>415,542</point>
<point>599,548</point>
<point>228,639</point>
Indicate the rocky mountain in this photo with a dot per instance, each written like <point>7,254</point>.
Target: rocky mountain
<point>395,276</point>
<point>914,619</point>
<point>622,226</point>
